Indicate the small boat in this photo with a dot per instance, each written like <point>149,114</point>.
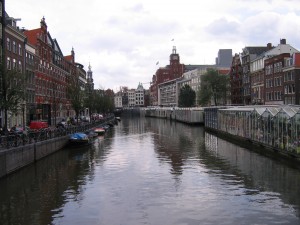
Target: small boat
<point>105,127</point>
<point>91,133</point>
<point>79,139</point>
<point>110,124</point>
<point>99,130</point>
<point>118,118</point>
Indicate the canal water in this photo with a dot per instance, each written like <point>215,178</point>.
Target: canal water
<point>153,171</point>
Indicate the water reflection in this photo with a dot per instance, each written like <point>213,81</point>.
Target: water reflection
<point>258,175</point>
<point>175,143</point>
<point>152,171</point>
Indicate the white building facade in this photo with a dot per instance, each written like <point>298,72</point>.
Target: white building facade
<point>140,96</point>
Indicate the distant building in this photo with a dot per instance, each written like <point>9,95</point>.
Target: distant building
<point>279,85</point>
<point>127,98</point>
<point>131,97</point>
<point>170,72</point>
<point>139,96</point>
<point>118,100</point>
<point>291,79</point>
<point>224,58</point>
<point>167,94</point>
<point>236,81</point>
<point>248,54</point>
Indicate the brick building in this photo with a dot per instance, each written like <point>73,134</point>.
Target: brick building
<point>247,55</point>
<point>291,79</point>
<point>236,81</point>
<point>14,51</point>
<point>52,73</point>
<point>170,72</point>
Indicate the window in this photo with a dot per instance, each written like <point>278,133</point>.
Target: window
<point>20,66</point>
<point>8,63</point>
<point>269,69</point>
<point>8,44</point>
<point>14,47</point>
<point>20,50</point>
<point>14,64</point>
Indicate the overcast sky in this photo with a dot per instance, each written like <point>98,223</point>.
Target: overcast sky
<point>124,39</point>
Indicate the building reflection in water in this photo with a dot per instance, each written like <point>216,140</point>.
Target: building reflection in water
<point>38,194</point>
<point>175,143</point>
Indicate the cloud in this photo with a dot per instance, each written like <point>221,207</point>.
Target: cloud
<point>223,28</point>
<point>123,40</point>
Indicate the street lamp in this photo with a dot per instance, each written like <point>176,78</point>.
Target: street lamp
<point>23,114</point>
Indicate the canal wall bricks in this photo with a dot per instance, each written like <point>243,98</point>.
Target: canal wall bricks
<point>16,158</point>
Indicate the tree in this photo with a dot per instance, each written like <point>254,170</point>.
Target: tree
<point>214,86</point>
<point>104,101</point>
<point>13,92</point>
<point>89,102</point>
<point>76,95</point>
<point>187,96</point>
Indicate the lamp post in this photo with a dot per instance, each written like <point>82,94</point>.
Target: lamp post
<point>23,114</point>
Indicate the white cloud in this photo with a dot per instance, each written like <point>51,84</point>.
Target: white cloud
<point>123,40</point>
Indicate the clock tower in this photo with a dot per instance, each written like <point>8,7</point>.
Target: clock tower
<point>174,57</point>
<point>176,69</point>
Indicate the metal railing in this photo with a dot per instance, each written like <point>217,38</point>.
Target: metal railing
<point>12,140</point>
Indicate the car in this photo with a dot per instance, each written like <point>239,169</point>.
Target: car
<point>36,125</point>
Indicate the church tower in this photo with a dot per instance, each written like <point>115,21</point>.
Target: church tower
<point>176,69</point>
<point>90,81</point>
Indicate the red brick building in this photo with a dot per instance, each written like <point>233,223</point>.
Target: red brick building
<point>247,55</point>
<point>170,72</point>
<point>236,81</point>
<point>52,72</point>
<point>274,79</point>
<point>291,79</point>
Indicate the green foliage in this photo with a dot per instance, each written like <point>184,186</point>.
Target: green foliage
<point>76,95</point>
<point>12,91</point>
<point>89,101</point>
<point>214,86</point>
<point>99,102</point>
<point>187,96</point>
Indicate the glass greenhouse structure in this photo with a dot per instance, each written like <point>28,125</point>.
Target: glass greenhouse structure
<point>277,127</point>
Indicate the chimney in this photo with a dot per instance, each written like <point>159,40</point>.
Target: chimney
<point>269,46</point>
<point>283,41</point>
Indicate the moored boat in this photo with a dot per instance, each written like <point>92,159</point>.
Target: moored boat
<point>105,127</point>
<point>79,139</point>
<point>99,130</point>
<point>91,133</point>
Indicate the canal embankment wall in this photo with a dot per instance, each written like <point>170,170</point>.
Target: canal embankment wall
<point>13,159</point>
<point>272,130</point>
<point>21,156</point>
<point>185,115</point>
